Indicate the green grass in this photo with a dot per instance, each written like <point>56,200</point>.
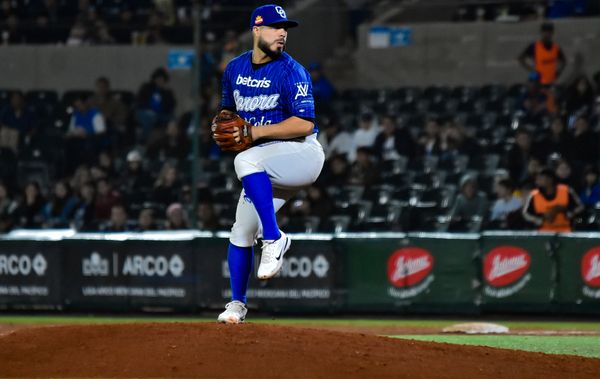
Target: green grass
<point>587,346</point>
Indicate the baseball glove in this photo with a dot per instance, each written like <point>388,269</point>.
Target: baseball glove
<point>223,127</point>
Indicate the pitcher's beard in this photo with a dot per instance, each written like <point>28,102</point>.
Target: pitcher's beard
<point>264,47</point>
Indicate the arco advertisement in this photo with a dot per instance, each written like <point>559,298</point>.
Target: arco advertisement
<point>306,280</point>
<point>30,275</point>
<point>133,274</point>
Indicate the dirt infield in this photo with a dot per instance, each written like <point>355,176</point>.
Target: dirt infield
<point>207,350</point>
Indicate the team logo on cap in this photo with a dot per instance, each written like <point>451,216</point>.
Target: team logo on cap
<point>258,20</point>
<point>280,11</point>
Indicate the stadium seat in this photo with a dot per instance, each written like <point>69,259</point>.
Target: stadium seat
<point>308,224</point>
<point>43,102</point>
<point>335,224</point>
<point>5,97</point>
<point>69,97</point>
<point>127,97</point>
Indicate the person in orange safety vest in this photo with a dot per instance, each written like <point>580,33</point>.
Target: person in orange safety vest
<point>544,56</point>
<point>551,206</point>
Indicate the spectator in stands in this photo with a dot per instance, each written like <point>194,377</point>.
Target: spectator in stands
<point>174,144</point>
<point>135,183</point>
<point>544,56</point>
<point>595,115</point>
<point>106,163</point>
<point>364,171</point>
<point>393,141</point>
<point>79,34</point>
<point>596,83</point>
<point>519,154</point>
<point>507,207</point>
<point>335,173</point>
<point>146,220</point>
<point>118,220</point>
<point>112,109</point>
<point>207,217</point>
<point>365,135</point>
<point>470,205</point>
<point>167,185</point>
<point>551,206</point>
<point>590,194</point>
<point>86,128</point>
<point>231,49</point>
<point>335,140</point>
<point>177,218</point>
<point>321,204</point>
<point>579,96</point>
<point>80,177</point>
<point>534,165</point>
<point>98,173</point>
<point>455,141</point>
<point>323,89</point>
<point>564,173</point>
<point>556,141</point>
<point>429,140</point>
<point>84,213</point>
<point>155,103</point>
<point>536,102</point>
<point>13,34</point>
<point>7,209</point>
<point>58,211</point>
<point>30,207</point>
<point>17,123</point>
<point>106,198</point>
<point>585,148</point>
<point>153,34</point>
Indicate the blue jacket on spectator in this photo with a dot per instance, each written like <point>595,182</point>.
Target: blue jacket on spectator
<point>591,196</point>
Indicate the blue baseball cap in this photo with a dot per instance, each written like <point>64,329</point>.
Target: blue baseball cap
<point>271,14</point>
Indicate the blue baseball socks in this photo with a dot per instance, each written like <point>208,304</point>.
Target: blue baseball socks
<point>240,261</point>
<point>259,189</point>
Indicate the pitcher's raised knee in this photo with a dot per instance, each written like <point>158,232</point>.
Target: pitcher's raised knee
<point>245,164</point>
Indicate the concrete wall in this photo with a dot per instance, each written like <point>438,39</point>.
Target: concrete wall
<point>65,68</point>
<point>322,28</point>
<point>472,53</point>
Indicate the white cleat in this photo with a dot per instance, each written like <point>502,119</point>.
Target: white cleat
<point>272,256</point>
<point>235,313</point>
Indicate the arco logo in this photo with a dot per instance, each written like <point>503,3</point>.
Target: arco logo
<point>590,267</point>
<point>505,265</point>
<point>409,266</point>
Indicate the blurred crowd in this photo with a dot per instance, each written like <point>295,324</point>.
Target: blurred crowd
<point>97,22</point>
<point>511,11</point>
<point>111,160</point>
<point>434,158</point>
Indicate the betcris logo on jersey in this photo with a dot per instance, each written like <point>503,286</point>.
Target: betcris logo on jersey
<point>248,81</point>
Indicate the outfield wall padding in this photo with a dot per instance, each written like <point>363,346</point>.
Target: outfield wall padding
<point>493,272</point>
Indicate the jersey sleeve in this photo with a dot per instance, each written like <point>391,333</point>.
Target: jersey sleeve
<point>227,100</point>
<point>297,94</point>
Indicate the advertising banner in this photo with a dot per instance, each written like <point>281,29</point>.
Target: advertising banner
<point>30,274</point>
<point>578,259</point>
<point>306,282</point>
<point>518,271</point>
<point>426,272</point>
<point>131,274</point>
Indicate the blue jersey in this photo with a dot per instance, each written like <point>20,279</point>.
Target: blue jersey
<point>270,93</point>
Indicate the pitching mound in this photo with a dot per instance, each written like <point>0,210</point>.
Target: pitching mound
<point>260,351</point>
